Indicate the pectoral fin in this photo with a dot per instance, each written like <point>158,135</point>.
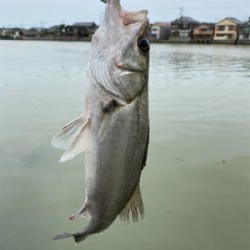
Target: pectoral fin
<point>73,137</point>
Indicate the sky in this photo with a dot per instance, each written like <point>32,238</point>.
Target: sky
<point>46,13</point>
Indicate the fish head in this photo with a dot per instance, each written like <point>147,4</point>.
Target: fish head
<point>122,42</point>
<point>128,34</point>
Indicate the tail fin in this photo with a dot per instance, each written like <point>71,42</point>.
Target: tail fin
<point>80,237</point>
<point>77,236</point>
<point>62,236</point>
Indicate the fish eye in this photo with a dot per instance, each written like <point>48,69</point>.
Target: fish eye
<point>143,44</point>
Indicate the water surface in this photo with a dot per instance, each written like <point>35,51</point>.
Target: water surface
<point>196,183</point>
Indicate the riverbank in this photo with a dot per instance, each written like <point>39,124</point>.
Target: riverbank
<point>156,41</point>
<point>191,42</point>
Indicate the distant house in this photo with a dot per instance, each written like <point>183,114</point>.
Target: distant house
<point>68,31</point>
<point>181,29</point>
<point>203,33</point>
<point>18,34</point>
<point>244,34</point>
<point>85,28</point>
<point>79,30</point>
<point>160,31</point>
<point>31,34</point>
<point>7,33</point>
<point>227,30</point>
<point>10,33</point>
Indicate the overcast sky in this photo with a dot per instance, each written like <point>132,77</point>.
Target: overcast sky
<point>27,13</point>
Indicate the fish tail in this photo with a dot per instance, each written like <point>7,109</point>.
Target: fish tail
<point>78,237</point>
<point>62,236</point>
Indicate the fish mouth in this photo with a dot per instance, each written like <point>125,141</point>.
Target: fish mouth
<point>129,69</point>
<point>114,11</point>
<point>132,17</point>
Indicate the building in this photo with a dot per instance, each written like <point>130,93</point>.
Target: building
<point>203,33</point>
<point>11,33</point>
<point>85,29</point>
<point>244,34</point>
<point>181,29</point>
<point>7,34</point>
<point>79,30</point>
<point>227,30</point>
<point>31,34</point>
<point>18,34</point>
<point>160,31</point>
<point>67,31</point>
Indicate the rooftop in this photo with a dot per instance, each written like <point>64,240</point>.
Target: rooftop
<point>161,24</point>
<point>85,24</point>
<point>185,19</point>
<point>232,19</point>
<point>235,20</point>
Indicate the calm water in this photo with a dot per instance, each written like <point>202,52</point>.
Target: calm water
<point>196,185</point>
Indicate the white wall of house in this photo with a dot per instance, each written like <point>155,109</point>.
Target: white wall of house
<point>244,37</point>
<point>184,33</point>
<point>17,35</point>
<point>156,31</point>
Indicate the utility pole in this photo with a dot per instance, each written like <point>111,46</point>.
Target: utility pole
<point>42,23</point>
<point>181,9</point>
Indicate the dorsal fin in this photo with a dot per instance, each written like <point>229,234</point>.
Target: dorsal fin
<point>146,151</point>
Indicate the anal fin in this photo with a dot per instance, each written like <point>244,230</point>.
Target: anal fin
<point>134,208</point>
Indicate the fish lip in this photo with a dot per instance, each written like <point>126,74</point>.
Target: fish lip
<point>130,69</point>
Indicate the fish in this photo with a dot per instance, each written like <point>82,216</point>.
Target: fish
<point>113,132</point>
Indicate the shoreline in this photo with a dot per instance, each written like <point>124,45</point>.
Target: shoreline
<point>152,41</point>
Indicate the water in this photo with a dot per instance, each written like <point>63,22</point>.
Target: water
<point>196,183</point>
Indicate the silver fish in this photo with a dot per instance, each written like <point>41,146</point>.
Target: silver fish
<point>114,131</point>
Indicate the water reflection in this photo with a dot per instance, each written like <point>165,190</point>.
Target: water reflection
<point>185,62</point>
